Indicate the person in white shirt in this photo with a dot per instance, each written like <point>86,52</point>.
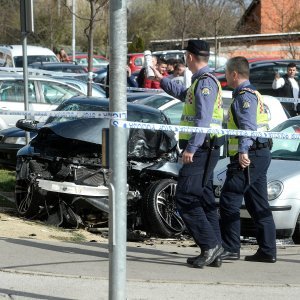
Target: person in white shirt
<point>288,87</point>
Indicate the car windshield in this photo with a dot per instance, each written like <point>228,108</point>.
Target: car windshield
<point>34,58</point>
<point>133,115</point>
<point>286,149</point>
<point>155,101</point>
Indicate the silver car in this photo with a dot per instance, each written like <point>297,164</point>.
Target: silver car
<point>283,179</point>
<point>44,94</point>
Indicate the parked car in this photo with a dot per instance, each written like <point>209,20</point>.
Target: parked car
<point>283,178</point>
<point>135,61</point>
<point>99,61</point>
<point>262,74</point>
<point>221,70</point>
<point>70,69</point>
<point>60,172</point>
<point>97,90</point>
<point>12,55</point>
<point>172,107</point>
<point>44,93</point>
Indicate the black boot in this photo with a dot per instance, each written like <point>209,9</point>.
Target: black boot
<point>207,257</point>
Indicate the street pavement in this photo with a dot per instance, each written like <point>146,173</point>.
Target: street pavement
<point>31,269</point>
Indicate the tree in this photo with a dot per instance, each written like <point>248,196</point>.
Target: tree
<point>137,45</point>
<point>96,15</point>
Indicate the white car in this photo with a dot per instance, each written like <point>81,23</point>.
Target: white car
<point>11,56</point>
<point>283,178</point>
<point>44,94</point>
<point>172,107</point>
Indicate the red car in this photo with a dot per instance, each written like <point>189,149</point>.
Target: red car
<point>135,61</point>
<point>99,61</point>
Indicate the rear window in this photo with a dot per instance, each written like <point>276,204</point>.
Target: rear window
<point>34,58</point>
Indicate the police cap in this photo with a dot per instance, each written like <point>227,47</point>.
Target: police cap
<point>198,47</point>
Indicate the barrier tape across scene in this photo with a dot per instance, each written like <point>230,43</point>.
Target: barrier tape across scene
<point>118,119</point>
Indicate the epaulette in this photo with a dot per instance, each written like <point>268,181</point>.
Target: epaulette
<point>243,90</point>
<point>205,75</point>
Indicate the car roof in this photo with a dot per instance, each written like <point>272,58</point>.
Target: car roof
<point>273,62</point>
<point>17,50</point>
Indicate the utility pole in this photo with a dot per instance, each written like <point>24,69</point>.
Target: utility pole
<point>118,150</point>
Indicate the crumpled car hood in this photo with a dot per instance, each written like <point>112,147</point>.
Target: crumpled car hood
<point>87,130</point>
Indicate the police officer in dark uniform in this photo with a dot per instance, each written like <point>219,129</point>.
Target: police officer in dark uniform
<point>194,195</point>
<point>247,172</point>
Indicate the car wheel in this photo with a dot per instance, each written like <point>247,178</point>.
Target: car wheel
<point>296,235</point>
<point>159,207</point>
<point>27,196</point>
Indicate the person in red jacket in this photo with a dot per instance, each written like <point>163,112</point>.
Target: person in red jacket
<point>162,68</point>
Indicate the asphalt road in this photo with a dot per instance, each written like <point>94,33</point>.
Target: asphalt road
<point>31,269</point>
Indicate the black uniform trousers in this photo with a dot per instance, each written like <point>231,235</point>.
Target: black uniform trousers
<point>195,199</point>
<point>255,195</point>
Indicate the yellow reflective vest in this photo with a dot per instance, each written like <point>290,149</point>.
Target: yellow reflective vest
<point>189,108</point>
<point>261,120</point>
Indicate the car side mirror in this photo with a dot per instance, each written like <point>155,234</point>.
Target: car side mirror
<point>27,125</point>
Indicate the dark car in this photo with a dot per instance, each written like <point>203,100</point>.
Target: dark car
<point>13,139</point>
<point>60,175</point>
<point>262,74</point>
<point>73,69</point>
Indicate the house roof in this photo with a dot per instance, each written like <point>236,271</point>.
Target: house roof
<point>247,12</point>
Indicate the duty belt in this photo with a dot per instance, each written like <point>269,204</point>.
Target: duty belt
<point>257,145</point>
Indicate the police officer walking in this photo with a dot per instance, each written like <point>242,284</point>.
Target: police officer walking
<point>247,172</point>
<point>194,194</point>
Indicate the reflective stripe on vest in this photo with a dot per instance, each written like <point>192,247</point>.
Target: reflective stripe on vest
<point>261,120</point>
<point>189,108</point>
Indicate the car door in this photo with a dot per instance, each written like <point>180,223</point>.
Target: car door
<point>52,94</point>
<point>12,99</point>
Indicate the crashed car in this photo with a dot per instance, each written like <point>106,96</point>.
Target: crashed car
<point>60,178</point>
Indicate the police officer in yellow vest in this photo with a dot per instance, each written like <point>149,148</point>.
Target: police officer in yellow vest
<point>194,194</point>
<point>247,172</point>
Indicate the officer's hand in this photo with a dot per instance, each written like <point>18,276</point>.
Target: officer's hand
<point>157,74</point>
<point>277,75</point>
<point>187,157</point>
<point>244,160</point>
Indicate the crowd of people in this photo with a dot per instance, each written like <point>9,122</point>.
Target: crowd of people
<point>172,68</point>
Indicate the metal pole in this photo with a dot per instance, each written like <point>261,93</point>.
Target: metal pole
<point>118,151</point>
<point>73,29</point>
<point>25,77</point>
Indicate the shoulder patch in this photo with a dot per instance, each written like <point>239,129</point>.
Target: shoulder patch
<point>246,104</point>
<point>205,91</point>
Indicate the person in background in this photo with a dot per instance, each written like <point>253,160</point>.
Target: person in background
<point>194,196</point>
<point>246,176</point>
<point>161,67</point>
<point>142,74</point>
<point>288,87</point>
<point>178,74</point>
<point>131,81</point>
<point>171,62</point>
<point>64,56</point>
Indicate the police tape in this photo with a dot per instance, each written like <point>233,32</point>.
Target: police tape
<point>66,114</point>
<point>118,119</point>
<point>189,129</point>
